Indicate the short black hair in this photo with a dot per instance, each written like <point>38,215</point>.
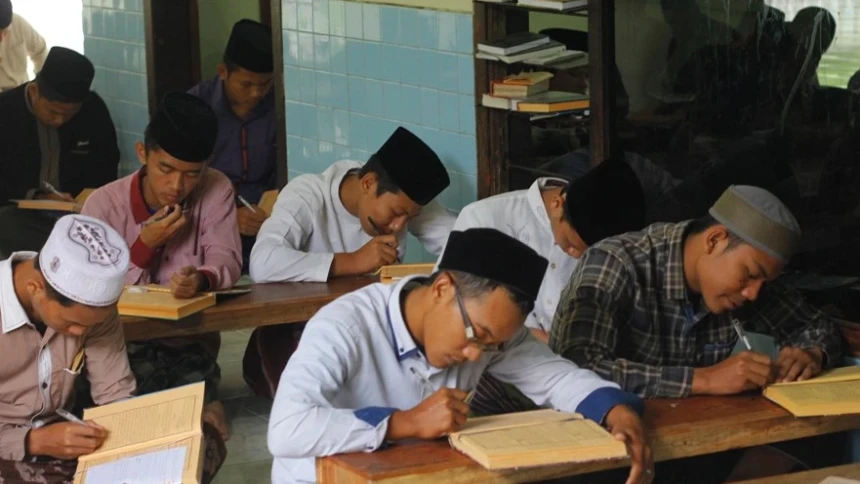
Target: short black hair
<point>231,66</point>
<point>476,287</point>
<point>149,141</point>
<point>384,182</point>
<point>49,289</point>
<point>702,224</point>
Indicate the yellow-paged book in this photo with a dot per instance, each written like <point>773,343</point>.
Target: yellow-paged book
<point>834,392</point>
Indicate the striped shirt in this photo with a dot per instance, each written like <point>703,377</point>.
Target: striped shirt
<point>627,314</point>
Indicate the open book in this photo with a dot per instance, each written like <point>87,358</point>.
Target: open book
<point>57,205</point>
<point>165,424</point>
<point>393,273</point>
<point>535,438</point>
<point>834,392</point>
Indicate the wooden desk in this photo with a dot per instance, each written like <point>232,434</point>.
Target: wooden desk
<point>849,471</point>
<point>676,428</point>
<point>267,304</point>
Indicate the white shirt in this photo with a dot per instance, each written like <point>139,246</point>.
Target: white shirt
<point>522,215</point>
<point>309,225</point>
<point>355,365</point>
<point>22,42</point>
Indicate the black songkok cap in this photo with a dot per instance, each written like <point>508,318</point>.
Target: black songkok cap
<point>490,254</point>
<point>185,127</point>
<point>5,13</point>
<point>412,165</point>
<point>66,76</point>
<point>250,47</point>
<point>606,201</point>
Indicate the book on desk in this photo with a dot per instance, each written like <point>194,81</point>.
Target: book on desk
<point>833,392</point>
<point>158,302</point>
<point>393,273</point>
<point>535,438</point>
<point>152,438</point>
<point>71,206</point>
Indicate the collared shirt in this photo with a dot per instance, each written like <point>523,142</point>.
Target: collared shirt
<point>246,150</point>
<point>49,147</point>
<point>22,42</point>
<point>309,225</point>
<point>36,377</point>
<point>357,364</point>
<point>209,241</point>
<point>522,215</point>
<point>627,314</point>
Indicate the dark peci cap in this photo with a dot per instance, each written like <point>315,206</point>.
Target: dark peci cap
<point>185,127</point>
<point>66,76</point>
<point>250,47</point>
<point>412,165</point>
<point>5,13</point>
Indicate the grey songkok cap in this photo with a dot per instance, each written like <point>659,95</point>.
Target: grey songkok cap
<point>759,219</point>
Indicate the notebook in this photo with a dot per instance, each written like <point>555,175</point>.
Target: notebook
<point>535,438</point>
<point>553,102</point>
<point>267,201</point>
<point>157,302</point>
<point>393,273</point>
<point>163,427</point>
<point>834,392</point>
<point>57,205</point>
<point>514,43</point>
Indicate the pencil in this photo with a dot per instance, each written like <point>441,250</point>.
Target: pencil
<point>741,333</point>
<point>70,417</point>
<point>245,203</point>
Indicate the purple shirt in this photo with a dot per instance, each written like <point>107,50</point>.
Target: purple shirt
<point>246,149</point>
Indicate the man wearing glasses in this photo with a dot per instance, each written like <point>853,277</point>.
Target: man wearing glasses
<point>387,363</point>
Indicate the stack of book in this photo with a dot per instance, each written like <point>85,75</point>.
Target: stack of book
<point>526,47</point>
<point>559,5</point>
<point>529,92</point>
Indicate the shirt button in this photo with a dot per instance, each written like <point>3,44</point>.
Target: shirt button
<point>552,266</point>
<point>44,385</point>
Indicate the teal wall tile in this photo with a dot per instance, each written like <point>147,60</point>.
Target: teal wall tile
<point>449,111</point>
<point>466,74</point>
<point>448,73</point>
<point>389,24</point>
<point>409,35</point>
<point>465,38</point>
<point>337,18</point>
<point>428,29</point>
<point>393,100</point>
<point>373,60</point>
<point>306,50</point>
<point>371,29</point>
<point>322,52</point>
<point>305,17</point>
<point>447,36</point>
<point>354,20</point>
<point>374,97</point>
<point>355,62</point>
<point>430,75</point>
<point>467,114</point>
<point>339,91</point>
<point>337,47</point>
<point>430,108</point>
<point>321,17</point>
<point>289,15</point>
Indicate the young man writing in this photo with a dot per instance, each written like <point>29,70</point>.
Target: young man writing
<point>179,219</point>
<point>241,97</point>
<point>396,362</point>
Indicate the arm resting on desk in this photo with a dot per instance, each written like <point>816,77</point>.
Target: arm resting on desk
<point>551,380</point>
<point>303,422</point>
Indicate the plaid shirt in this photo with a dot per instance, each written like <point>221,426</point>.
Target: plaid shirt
<point>626,314</point>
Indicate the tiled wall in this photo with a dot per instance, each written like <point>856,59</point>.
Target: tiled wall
<point>355,71</point>
<point>114,42</point>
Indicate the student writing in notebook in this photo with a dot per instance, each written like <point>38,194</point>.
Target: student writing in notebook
<point>242,98</point>
<point>59,322</point>
<point>179,218</point>
<point>559,221</point>
<point>653,310</point>
<point>392,362</point>
<point>349,220</point>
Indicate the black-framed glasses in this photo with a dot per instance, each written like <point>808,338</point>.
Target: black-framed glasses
<point>470,330</point>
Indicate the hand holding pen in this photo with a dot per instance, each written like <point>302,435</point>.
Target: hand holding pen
<point>56,194</point>
<point>163,226</point>
<point>66,440</point>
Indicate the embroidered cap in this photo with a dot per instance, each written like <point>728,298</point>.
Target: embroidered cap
<point>85,260</point>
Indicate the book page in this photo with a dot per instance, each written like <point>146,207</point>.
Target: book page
<point>839,480</point>
<point>838,393</point>
<point>158,467</point>
<point>191,449</point>
<point>518,419</point>
<point>837,374</point>
<point>163,416</point>
<point>543,437</point>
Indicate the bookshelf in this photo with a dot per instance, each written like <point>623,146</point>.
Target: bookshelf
<point>505,158</point>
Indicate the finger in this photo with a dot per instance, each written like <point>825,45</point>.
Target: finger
<point>388,255</point>
<point>176,279</point>
<point>810,371</point>
<point>177,224</point>
<point>757,379</point>
<point>88,432</point>
<point>784,365</point>
<point>759,358</point>
<point>796,369</point>
<point>389,240</point>
<point>635,458</point>
<point>762,369</point>
<point>458,406</point>
<point>174,212</point>
<point>455,393</point>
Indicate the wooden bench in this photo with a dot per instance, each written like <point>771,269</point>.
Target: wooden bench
<point>849,471</point>
<point>676,429</point>
<point>266,304</point>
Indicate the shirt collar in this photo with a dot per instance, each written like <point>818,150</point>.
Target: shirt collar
<point>11,311</point>
<point>675,281</point>
<point>139,210</point>
<point>404,345</point>
<point>535,199</point>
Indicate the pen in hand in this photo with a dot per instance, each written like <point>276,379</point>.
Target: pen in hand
<point>70,417</point>
<point>246,204</point>
<point>56,192</point>
<point>741,333</point>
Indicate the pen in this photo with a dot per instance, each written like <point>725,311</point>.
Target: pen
<point>70,417</point>
<point>159,219</point>
<point>469,396</point>
<point>55,191</point>
<point>246,204</point>
<point>741,334</point>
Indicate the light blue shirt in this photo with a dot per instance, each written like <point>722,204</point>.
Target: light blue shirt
<point>357,363</point>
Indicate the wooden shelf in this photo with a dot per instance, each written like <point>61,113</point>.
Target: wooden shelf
<point>578,11</point>
<point>551,68</point>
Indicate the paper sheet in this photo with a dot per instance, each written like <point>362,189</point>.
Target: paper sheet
<point>838,480</point>
<point>160,467</point>
<point>845,392</point>
<point>540,437</point>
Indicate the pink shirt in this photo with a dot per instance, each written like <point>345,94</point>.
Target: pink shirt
<point>35,377</point>
<point>209,241</point>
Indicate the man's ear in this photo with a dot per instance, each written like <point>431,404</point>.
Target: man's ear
<point>368,183</point>
<point>223,72</point>
<point>714,238</point>
<point>442,287</point>
<point>141,152</point>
